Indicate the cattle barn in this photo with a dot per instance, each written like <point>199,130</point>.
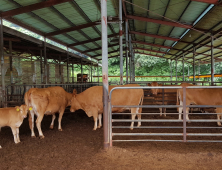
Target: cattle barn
<point>53,54</point>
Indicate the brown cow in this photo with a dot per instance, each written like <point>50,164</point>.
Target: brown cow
<point>202,97</point>
<point>158,94</point>
<point>46,101</point>
<point>13,117</point>
<point>91,102</point>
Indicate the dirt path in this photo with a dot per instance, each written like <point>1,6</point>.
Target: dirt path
<point>78,147</point>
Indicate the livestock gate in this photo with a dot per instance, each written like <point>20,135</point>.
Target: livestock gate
<point>201,127</point>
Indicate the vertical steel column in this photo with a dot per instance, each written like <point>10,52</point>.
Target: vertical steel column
<point>188,72</point>
<point>194,50</point>
<point>98,72</point>
<point>10,60</point>
<point>126,27</point>
<point>2,62</point>
<point>60,70</point>
<point>67,66</point>
<point>176,69</point>
<point>107,143</point>
<point>41,67</point>
<point>183,68</point>
<point>171,74</point>
<point>199,69</point>
<point>45,62</point>
<point>130,63</point>
<point>121,42</point>
<point>212,60</point>
<point>81,72</point>
<point>133,63</point>
<point>91,71</point>
<point>73,72</point>
<point>184,116</point>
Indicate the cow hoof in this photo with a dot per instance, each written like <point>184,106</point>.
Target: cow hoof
<point>131,128</point>
<point>33,136</point>
<point>165,115</point>
<point>0,147</point>
<point>94,128</point>
<point>160,115</point>
<point>99,126</point>
<point>60,130</point>
<point>51,127</point>
<point>41,137</point>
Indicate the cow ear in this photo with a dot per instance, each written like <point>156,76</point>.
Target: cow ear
<point>17,108</point>
<point>74,92</point>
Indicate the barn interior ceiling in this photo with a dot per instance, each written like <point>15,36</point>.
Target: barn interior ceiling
<point>170,29</point>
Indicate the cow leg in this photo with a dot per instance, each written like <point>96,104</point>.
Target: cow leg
<point>139,118</point>
<point>60,119</point>
<point>187,114</point>
<point>52,123</point>
<point>161,111</point>
<point>95,117</point>
<point>134,112</point>
<point>164,111</point>
<point>17,134</point>
<point>31,123</point>
<point>180,110</point>
<point>38,124</point>
<point>218,110</point>
<point>100,120</point>
<point>14,134</point>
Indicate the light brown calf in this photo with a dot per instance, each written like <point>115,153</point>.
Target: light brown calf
<point>46,101</point>
<point>13,117</point>
<point>91,102</point>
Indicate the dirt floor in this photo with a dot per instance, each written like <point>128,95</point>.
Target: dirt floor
<point>79,147</point>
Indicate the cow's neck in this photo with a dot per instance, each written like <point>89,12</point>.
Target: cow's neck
<point>69,96</point>
<point>79,102</point>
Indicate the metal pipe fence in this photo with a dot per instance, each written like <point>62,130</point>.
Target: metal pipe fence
<point>15,93</point>
<point>201,127</point>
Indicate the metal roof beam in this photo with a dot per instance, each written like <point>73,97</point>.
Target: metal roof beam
<point>174,24</point>
<point>149,50</point>
<point>154,36</point>
<point>79,27</point>
<point>149,54</point>
<point>32,7</point>
<point>11,39</point>
<point>150,44</point>
<point>115,51</point>
<point>215,2</point>
<point>92,40</point>
<point>91,50</point>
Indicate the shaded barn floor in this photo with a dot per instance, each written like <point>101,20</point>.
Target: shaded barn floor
<point>79,147</point>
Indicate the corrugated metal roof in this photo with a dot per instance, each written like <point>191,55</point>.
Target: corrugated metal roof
<point>79,12</point>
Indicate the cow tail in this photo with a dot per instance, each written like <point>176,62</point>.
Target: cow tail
<point>27,96</point>
<point>141,103</point>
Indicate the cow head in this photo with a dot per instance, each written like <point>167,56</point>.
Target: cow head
<point>74,102</point>
<point>23,110</point>
<point>154,84</point>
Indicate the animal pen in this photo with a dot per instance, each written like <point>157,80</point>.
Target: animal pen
<point>69,34</point>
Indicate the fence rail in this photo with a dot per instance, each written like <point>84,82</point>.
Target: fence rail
<point>201,128</point>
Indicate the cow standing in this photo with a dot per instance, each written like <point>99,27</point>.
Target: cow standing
<point>13,117</point>
<point>201,97</point>
<point>91,102</point>
<point>46,101</point>
<point>159,94</point>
